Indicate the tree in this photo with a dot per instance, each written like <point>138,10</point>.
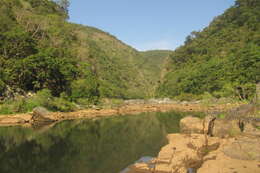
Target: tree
<point>64,5</point>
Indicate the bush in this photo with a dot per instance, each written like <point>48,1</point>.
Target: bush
<point>84,89</point>
<point>2,87</point>
<point>15,106</point>
<point>41,98</point>
<point>5,109</point>
<point>60,104</point>
<point>45,99</point>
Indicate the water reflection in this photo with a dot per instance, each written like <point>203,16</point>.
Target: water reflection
<point>85,146</point>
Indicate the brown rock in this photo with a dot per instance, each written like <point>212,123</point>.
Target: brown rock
<point>249,129</point>
<point>233,155</point>
<point>244,148</point>
<point>224,128</point>
<point>182,152</point>
<point>191,125</point>
<point>12,120</point>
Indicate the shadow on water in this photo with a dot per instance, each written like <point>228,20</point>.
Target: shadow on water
<point>85,146</point>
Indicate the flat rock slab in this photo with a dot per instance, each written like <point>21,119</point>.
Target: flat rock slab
<point>15,119</point>
<point>230,157</point>
<point>222,155</point>
<point>243,148</point>
<point>12,120</point>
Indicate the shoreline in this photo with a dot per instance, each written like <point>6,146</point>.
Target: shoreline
<point>27,118</point>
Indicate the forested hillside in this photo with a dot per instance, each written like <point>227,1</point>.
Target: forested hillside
<point>150,65</point>
<point>47,61</point>
<point>64,63</point>
<point>223,59</point>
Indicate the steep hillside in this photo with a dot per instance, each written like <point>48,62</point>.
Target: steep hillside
<point>39,50</point>
<point>112,62</point>
<point>223,59</point>
<point>150,65</point>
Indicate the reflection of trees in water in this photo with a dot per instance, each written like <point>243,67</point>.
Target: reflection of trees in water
<point>105,145</point>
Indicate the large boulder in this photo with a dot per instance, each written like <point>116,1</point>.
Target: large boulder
<point>41,115</point>
<point>217,127</point>
<point>250,129</point>
<point>225,128</point>
<point>191,125</point>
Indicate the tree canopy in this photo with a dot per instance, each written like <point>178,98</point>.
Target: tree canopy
<point>224,57</point>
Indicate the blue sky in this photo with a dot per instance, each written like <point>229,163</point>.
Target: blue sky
<point>148,24</point>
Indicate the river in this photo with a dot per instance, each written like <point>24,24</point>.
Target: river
<point>106,145</point>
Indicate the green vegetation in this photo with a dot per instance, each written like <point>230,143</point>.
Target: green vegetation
<point>151,64</point>
<point>81,66</point>
<point>41,98</point>
<point>223,59</point>
<point>221,116</point>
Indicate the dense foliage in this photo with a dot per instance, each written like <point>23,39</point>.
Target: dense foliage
<point>34,50</point>
<point>44,57</point>
<point>223,59</point>
<point>40,50</point>
<point>151,65</point>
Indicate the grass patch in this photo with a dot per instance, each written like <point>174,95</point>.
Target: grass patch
<point>42,98</point>
<point>221,116</point>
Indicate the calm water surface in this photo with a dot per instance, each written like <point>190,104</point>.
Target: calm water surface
<point>85,146</point>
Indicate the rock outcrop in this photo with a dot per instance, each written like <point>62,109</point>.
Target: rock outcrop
<point>191,124</point>
<point>218,127</point>
<point>240,155</point>
<point>231,150</point>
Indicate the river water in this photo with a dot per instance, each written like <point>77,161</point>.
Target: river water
<point>105,145</point>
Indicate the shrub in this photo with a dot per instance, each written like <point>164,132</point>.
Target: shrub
<point>84,89</point>
<point>5,109</point>
<point>2,87</point>
<point>42,98</point>
<point>60,104</point>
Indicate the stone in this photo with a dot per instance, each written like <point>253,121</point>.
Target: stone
<point>251,130</point>
<point>41,114</point>
<point>234,155</point>
<point>191,125</point>
<point>184,152</point>
<point>226,128</point>
<point>234,148</point>
<point>243,148</point>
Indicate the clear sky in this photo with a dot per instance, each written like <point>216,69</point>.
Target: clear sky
<point>148,24</point>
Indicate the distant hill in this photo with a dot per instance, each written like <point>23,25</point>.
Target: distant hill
<point>150,65</point>
<point>111,60</point>
<point>223,59</point>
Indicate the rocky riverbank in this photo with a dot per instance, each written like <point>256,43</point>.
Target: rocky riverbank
<point>44,115</point>
<point>210,145</point>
